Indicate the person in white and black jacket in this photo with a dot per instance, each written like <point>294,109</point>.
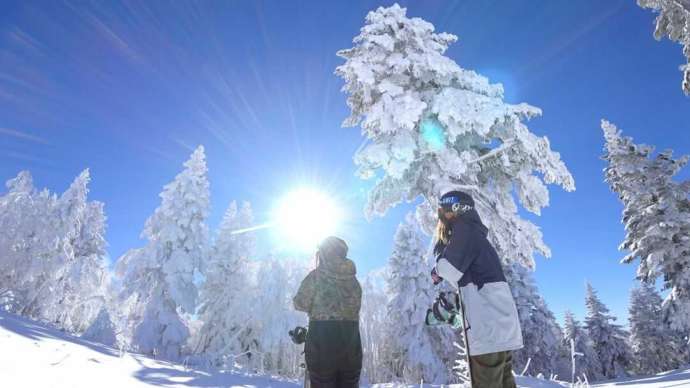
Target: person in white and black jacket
<point>466,259</point>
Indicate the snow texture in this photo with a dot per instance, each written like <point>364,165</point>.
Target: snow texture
<point>35,355</point>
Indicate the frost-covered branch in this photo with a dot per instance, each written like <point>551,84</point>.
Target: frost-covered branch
<point>673,21</point>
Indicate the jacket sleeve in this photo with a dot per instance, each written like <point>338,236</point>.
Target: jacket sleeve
<point>454,261</point>
<point>305,295</point>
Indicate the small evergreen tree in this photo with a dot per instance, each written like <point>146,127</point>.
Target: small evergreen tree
<point>608,339</point>
<point>655,348</point>
<point>411,294</point>
<point>276,281</point>
<point>542,336</point>
<point>588,363</point>
<point>225,292</point>
<point>373,323</point>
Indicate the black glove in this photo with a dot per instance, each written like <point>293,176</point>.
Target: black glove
<point>298,335</point>
<point>435,277</point>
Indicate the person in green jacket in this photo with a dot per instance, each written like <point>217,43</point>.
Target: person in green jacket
<point>332,296</point>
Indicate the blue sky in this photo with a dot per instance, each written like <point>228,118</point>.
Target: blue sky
<point>128,89</point>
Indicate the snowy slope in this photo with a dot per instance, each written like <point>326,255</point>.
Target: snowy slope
<point>674,379</point>
<point>33,355</point>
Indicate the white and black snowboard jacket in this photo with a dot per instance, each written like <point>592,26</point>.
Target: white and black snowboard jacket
<point>470,263</point>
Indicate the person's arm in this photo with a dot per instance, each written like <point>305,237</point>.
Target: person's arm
<point>454,261</point>
<point>305,295</point>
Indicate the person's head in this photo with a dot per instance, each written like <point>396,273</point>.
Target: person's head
<point>451,205</point>
<point>332,248</point>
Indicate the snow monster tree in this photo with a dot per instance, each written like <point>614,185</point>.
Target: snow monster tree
<point>432,125</point>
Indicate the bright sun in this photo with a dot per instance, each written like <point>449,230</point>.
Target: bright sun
<point>306,216</point>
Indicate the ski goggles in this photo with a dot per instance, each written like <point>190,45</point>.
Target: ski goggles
<point>453,204</point>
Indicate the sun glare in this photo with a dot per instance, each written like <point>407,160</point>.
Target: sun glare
<point>306,216</point>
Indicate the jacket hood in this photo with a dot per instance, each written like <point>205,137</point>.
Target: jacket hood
<point>337,267</point>
<point>471,217</point>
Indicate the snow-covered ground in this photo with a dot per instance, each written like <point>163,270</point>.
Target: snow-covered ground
<point>33,355</point>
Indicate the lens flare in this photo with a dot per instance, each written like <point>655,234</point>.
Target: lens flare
<point>433,134</point>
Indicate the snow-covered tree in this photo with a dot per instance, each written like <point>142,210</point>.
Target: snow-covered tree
<point>656,216</point>
<point>608,338</point>
<point>30,245</point>
<point>102,329</point>
<point>224,296</point>
<point>542,336</point>
<point>587,363</point>
<point>52,252</point>
<point>18,237</point>
<point>673,22</point>
<point>411,294</point>
<point>655,347</point>
<point>432,125</point>
<point>373,326</point>
<point>158,287</point>
<point>76,293</point>
<point>271,350</point>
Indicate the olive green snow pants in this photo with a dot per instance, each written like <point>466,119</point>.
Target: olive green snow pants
<point>492,370</point>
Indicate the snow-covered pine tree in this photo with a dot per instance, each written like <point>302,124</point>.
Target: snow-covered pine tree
<point>432,125</point>
<point>411,294</point>
<point>29,235</point>
<point>18,233</point>
<point>158,288</point>
<point>272,316</point>
<point>655,347</point>
<point>656,216</point>
<point>608,338</point>
<point>224,296</point>
<point>374,324</point>
<point>541,334</point>
<point>77,292</point>
<point>588,363</point>
<point>47,247</point>
<point>673,22</point>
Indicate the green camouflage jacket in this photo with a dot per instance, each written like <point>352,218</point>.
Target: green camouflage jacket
<point>331,292</point>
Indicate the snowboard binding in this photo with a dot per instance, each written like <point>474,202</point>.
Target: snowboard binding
<point>298,335</point>
<point>445,310</point>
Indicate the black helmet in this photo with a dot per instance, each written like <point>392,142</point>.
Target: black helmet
<point>456,201</point>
